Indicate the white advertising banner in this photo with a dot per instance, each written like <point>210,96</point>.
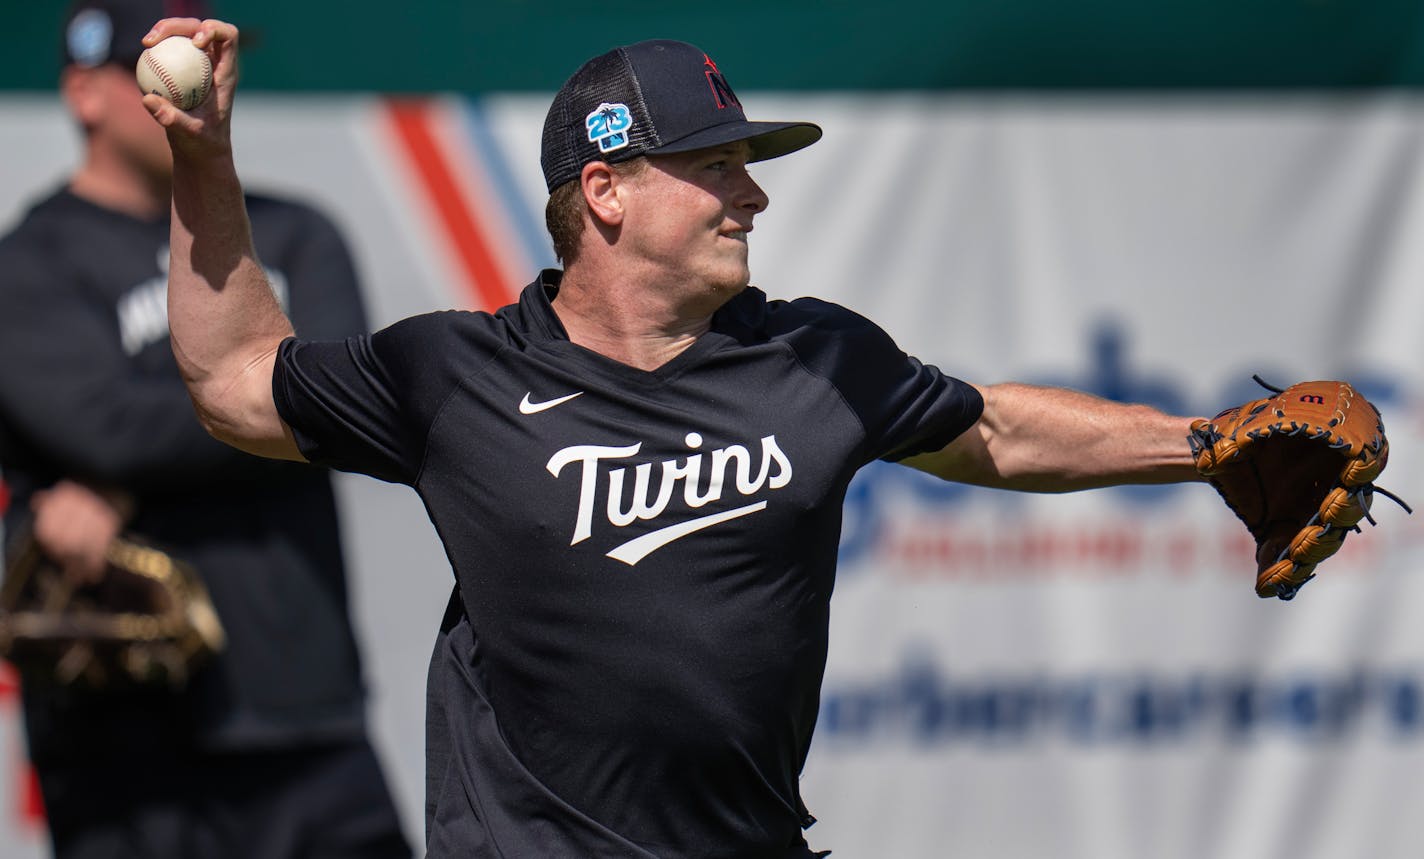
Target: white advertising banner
<point>1084,676</point>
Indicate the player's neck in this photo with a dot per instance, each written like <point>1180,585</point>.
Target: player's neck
<point>628,324</point>
<point>143,197</point>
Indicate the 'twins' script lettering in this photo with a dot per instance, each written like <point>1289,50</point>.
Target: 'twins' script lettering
<point>773,472</point>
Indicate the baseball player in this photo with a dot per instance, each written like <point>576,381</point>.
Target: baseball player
<point>265,754</point>
<point>637,470</point>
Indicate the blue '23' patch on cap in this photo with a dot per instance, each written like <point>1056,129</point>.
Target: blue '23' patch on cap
<point>608,126</point>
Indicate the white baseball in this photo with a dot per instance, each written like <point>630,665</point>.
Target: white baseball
<point>176,69</point>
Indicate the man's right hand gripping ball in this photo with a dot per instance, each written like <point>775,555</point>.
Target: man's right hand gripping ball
<point>1299,469</point>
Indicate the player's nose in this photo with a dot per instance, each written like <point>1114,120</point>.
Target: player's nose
<point>750,196</point>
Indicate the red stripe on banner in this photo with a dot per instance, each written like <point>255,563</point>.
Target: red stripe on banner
<point>412,121</point>
<point>32,810</point>
<point>29,804</point>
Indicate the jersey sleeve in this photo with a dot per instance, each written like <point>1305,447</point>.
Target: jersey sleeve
<point>365,404</point>
<point>906,406</point>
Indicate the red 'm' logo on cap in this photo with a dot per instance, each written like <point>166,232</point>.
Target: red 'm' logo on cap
<point>721,90</point>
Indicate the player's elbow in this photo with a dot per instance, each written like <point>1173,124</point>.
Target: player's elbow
<point>219,422</point>
<point>234,403</point>
<point>252,426</point>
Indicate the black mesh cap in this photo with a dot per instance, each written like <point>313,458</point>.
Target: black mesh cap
<point>111,31</point>
<point>653,98</point>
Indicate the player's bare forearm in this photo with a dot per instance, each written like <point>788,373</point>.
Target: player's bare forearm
<point>224,320</point>
<point>1042,439</point>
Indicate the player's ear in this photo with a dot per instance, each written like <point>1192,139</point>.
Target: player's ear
<point>600,191</point>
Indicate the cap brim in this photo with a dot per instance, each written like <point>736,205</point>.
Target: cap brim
<point>767,139</point>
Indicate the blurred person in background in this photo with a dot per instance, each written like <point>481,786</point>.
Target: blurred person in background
<point>265,752</point>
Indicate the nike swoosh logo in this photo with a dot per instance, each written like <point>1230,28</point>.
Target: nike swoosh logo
<point>639,548</point>
<point>528,407</point>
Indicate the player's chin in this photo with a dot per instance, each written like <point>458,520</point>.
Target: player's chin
<point>732,280</point>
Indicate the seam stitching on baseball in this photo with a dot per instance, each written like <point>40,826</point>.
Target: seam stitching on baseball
<point>175,94</point>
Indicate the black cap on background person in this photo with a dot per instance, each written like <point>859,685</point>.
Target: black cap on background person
<point>111,31</point>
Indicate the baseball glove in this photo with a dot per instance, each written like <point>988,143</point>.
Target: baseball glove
<point>147,621</point>
<point>1299,469</point>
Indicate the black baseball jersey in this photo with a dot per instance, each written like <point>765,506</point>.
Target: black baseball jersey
<point>89,390</point>
<point>644,559</point>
